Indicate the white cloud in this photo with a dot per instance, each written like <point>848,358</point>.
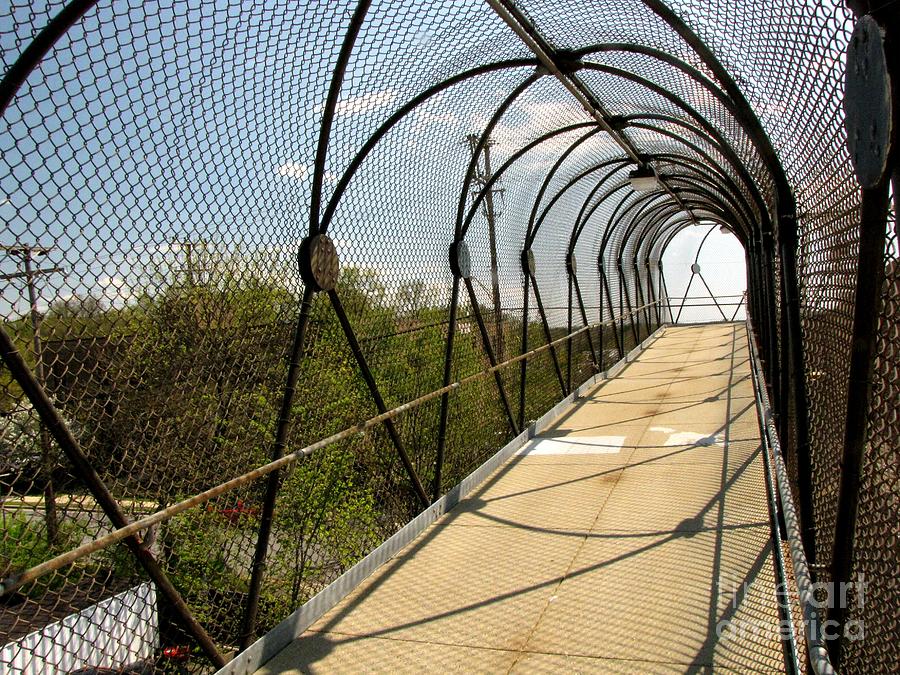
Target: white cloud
<point>354,105</point>
<point>300,171</point>
<point>293,169</point>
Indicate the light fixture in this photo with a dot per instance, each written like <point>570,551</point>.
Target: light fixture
<point>643,179</point>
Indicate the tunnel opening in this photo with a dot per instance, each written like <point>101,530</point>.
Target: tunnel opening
<point>706,269</point>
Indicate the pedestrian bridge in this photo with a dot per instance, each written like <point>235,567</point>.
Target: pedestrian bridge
<point>419,335</point>
<point>632,534</point>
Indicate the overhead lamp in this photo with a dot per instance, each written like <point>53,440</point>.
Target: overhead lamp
<point>643,179</point>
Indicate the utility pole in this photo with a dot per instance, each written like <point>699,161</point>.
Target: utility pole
<point>27,255</point>
<point>482,177</point>
<point>188,247</point>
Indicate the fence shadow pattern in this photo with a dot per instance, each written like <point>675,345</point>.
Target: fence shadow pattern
<point>277,276</point>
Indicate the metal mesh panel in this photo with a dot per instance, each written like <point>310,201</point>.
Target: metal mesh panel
<point>877,556</point>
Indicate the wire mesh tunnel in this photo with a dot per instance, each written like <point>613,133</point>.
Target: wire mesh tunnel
<point>278,276</point>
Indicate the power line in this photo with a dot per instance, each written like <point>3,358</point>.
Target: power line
<point>482,178</point>
<point>27,255</point>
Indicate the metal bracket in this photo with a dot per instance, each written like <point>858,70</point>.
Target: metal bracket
<point>867,103</point>
<point>460,260</point>
<point>319,263</point>
<point>528,266</point>
<point>567,61</point>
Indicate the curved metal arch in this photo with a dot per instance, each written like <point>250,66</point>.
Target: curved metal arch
<point>680,65</point>
<point>730,158</point>
<point>666,233</point>
<point>39,47</point>
<point>399,115</point>
<point>529,239</point>
<point>708,176</point>
<point>733,160</point>
<point>473,208</point>
<point>744,116</point>
<point>708,204</point>
<point>761,140</point>
<point>732,97</point>
<point>646,215</point>
<point>613,224</point>
<point>645,240</point>
<point>610,226</point>
<point>334,90</point>
<point>683,105</point>
<point>642,120</point>
<point>655,232</point>
<point>658,227</point>
<point>659,55</point>
<point>645,202</point>
<point>691,177</point>
<point>669,157</point>
<point>482,141</point>
<point>712,165</point>
<point>581,219</point>
<point>636,221</point>
<point>744,218</point>
<point>659,218</point>
<point>571,183</point>
<point>615,217</point>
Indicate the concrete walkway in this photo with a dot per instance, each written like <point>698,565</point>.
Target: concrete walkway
<point>631,536</point>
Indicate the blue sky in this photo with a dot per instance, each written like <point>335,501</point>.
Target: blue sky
<point>190,124</point>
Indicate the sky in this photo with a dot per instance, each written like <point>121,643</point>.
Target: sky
<point>722,266</point>
<point>188,124</point>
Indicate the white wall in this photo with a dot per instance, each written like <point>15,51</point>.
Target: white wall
<point>120,630</point>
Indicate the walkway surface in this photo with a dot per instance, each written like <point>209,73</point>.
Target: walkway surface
<point>631,536</point>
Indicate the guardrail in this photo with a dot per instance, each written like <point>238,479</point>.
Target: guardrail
<point>780,492</point>
<point>57,424</point>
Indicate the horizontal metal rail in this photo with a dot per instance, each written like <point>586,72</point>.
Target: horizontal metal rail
<point>15,581</point>
<point>712,304</point>
<point>812,616</point>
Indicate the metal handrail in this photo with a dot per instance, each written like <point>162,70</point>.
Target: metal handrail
<point>134,528</point>
<point>812,617</point>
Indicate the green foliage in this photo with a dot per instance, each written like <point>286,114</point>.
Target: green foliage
<point>23,545</point>
<point>198,547</point>
<point>180,389</point>
<point>325,519</point>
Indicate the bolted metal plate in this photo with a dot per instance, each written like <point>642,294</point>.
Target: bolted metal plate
<point>867,103</point>
<point>319,264</point>
<point>460,260</point>
<point>695,268</point>
<point>528,261</point>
